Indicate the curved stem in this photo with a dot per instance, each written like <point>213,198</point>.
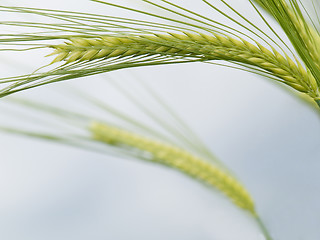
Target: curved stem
<point>263,228</point>
<point>318,102</point>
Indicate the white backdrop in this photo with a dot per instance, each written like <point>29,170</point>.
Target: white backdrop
<point>263,133</point>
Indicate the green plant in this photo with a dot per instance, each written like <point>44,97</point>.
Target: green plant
<point>176,147</point>
<point>100,44</point>
<point>112,43</point>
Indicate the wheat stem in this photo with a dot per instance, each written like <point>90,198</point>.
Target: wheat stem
<point>176,158</point>
<point>263,228</point>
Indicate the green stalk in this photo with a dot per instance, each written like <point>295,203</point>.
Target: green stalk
<point>263,229</point>
<point>318,102</point>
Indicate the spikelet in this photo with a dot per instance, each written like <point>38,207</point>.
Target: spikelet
<point>199,46</point>
<point>177,158</point>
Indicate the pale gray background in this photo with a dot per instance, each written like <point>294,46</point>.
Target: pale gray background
<point>266,135</point>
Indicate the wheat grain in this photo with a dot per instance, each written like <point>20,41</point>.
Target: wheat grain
<point>201,46</point>
<point>179,159</point>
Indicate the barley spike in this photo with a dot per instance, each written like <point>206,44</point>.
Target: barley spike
<point>177,158</point>
<point>195,45</point>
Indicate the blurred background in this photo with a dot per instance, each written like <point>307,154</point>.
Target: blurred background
<point>262,131</point>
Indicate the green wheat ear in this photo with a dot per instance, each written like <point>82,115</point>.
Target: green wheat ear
<point>302,33</point>
<point>177,158</point>
<point>206,47</point>
<point>178,149</point>
<point>95,44</point>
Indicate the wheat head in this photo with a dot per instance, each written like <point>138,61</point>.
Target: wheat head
<point>177,158</point>
<point>201,46</point>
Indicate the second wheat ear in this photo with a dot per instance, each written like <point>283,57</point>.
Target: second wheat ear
<point>177,158</point>
<point>174,146</point>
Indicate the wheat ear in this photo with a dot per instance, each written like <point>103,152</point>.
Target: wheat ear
<point>179,159</point>
<point>309,36</point>
<point>303,35</point>
<point>201,46</point>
